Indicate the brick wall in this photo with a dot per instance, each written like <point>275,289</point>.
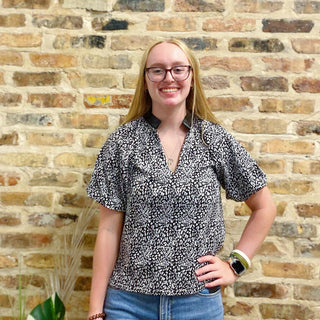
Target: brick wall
<point>67,74</point>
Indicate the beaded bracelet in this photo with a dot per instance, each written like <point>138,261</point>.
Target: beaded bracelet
<point>97,316</point>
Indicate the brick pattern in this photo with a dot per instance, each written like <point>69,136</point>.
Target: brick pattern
<point>68,70</point>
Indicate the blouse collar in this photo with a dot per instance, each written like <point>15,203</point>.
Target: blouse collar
<point>155,122</point>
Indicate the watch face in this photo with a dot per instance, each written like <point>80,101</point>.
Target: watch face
<point>238,266</point>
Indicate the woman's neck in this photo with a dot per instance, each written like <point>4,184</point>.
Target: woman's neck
<point>171,117</point>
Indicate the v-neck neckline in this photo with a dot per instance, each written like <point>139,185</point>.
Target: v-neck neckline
<point>181,154</point>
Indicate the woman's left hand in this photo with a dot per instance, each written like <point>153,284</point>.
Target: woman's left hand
<point>216,270</point>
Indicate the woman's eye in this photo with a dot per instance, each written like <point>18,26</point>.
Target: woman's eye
<point>157,71</point>
<point>178,69</point>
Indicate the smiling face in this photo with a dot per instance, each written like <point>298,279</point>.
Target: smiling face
<point>168,92</point>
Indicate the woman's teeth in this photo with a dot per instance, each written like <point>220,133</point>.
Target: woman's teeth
<point>169,90</point>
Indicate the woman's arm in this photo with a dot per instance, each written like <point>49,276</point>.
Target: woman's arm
<point>104,256</point>
<point>263,213</point>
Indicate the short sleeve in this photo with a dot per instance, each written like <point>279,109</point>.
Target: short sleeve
<point>237,172</point>
<point>106,184</point>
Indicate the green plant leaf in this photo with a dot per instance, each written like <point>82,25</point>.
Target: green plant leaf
<point>51,309</point>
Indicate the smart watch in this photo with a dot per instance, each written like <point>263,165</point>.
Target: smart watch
<point>236,265</point>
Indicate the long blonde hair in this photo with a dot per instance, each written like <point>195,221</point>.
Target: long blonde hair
<point>196,102</point>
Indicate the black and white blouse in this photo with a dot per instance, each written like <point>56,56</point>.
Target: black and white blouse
<point>171,218</point>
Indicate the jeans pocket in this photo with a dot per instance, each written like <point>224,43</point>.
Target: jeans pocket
<point>210,292</point>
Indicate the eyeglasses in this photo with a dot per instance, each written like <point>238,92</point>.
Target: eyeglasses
<point>178,73</point>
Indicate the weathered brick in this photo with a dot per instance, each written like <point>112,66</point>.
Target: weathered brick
<point>27,40</point>
<point>290,186</point>
<point>9,221</point>
<point>12,20</point>
<point>288,270</point>
<point>38,260</point>
<point>261,126</point>
<point>287,65</point>
<point>11,58</point>
<point>27,199</point>
<point>287,106</point>
<point>26,4</point>
<point>73,160</point>
<point>130,81</point>
<point>229,25</point>
<point>89,241</point>
<point>305,292</point>
<point>308,127</point>
<point>6,301</point>
<point>93,141</point>
<point>266,290</point>
<point>311,46</point>
<point>2,81</point>
<point>25,240</point>
<point>293,230</point>
<point>51,220</point>
<point>121,61</point>
<point>215,82</point>
<point>272,249</point>
<point>82,284</point>
<point>16,281</point>
<point>285,311</point>
<point>62,22</point>
<point>51,100</point>
<point>29,119</point>
<point>255,45</point>
<point>306,248</point>
<point>94,80</point>
<point>50,139</point>
<point>24,159</point>
<point>229,103</point>
<point>131,43</point>
<point>73,200</point>
<point>139,5</point>
<point>9,178</point>
<point>102,24</point>
<point>23,79</point>
<point>202,6</point>
<point>9,139</point>
<point>238,309</point>
<point>204,43</point>
<point>307,6</point>
<point>288,146</point>
<point>308,210</point>
<point>51,60</point>
<point>84,121</point>
<point>86,42</point>
<point>7,261</point>
<point>174,24</point>
<point>225,63</point>
<point>306,85</point>
<point>86,262</point>
<point>287,25</point>
<point>273,166</point>
<point>257,6</point>
<point>107,101</point>
<point>306,167</point>
<point>264,84</point>
<point>56,179</point>
<point>10,99</point>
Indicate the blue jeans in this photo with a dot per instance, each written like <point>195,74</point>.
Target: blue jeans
<point>124,305</point>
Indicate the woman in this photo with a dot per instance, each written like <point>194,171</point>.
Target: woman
<point>158,179</point>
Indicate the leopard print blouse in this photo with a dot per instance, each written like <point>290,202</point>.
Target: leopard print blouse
<point>171,218</point>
